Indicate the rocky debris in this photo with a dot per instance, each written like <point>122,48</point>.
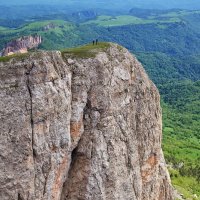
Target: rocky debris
<point>21,45</point>
<point>80,128</point>
<point>177,195</point>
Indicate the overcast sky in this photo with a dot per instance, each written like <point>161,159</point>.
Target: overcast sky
<point>137,3</point>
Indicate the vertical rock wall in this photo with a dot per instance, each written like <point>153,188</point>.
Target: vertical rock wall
<point>21,45</point>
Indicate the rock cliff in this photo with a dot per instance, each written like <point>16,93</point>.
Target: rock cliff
<point>21,45</point>
<point>75,128</point>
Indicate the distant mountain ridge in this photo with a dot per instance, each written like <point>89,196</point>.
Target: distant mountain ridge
<point>84,15</point>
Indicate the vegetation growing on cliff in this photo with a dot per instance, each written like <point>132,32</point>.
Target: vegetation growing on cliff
<point>86,51</point>
<point>18,56</point>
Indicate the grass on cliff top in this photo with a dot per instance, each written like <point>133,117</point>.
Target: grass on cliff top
<point>17,56</point>
<point>86,51</point>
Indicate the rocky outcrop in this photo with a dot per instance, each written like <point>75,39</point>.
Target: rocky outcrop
<point>22,45</point>
<point>80,129</point>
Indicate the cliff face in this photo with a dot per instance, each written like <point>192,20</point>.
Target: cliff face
<point>77,128</point>
<point>21,45</point>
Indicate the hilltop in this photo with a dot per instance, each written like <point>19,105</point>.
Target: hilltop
<point>81,126</point>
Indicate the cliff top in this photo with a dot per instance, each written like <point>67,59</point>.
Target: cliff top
<point>16,56</point>
<point>85,51</point>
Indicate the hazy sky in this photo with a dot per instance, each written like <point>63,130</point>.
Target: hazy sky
<point>133,3</point>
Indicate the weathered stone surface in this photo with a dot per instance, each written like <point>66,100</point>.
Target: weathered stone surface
<point>80,129</point>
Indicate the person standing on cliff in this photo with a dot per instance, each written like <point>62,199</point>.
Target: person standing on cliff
<point>93,42</point>
<point>96,41</point>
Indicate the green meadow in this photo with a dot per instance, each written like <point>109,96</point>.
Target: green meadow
<point>127,20</point>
